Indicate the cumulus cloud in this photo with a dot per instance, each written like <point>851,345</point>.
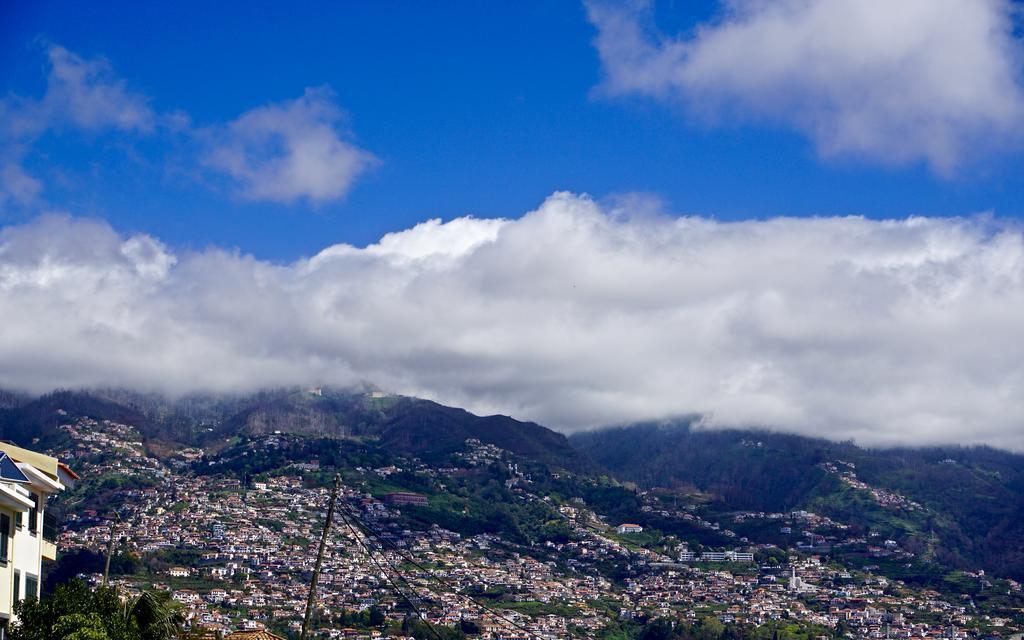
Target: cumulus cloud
<point>572,315</point>
<point>289,151</point>
<point>896,82</point>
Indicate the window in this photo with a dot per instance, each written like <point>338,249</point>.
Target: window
<point>5,534</point>
<point>19,519</point>
<point>31,586</point>
<point>33,514</point>
<point>50,528</point>
<point>17,586</point>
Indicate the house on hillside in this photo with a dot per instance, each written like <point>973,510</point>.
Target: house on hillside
<point>28,534</point>
<point>403,497</point>
<point>629,527</point>
<point>261,634</point>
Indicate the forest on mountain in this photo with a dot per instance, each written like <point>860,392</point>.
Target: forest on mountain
<point>971,498</point>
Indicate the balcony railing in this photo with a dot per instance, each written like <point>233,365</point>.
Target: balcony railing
<point>50,527</point>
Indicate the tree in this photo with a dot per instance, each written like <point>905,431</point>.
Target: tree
<point>74,611</point>
<point>376,616</point>
<point>77,561</point>
<point>660,629</point>
<point>79,626</point>
<point>155,614</point>
<point>710,628</point>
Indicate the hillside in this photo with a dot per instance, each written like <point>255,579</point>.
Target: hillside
<point>543,543</point>
<point>31,421</point>
<point>426,428</point>
<point>957,506</point>
<point>950,507</point>
<point>408,426</point>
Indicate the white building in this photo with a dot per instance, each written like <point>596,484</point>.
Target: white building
<point>27,535</point>
<point>629,528</point>
<point>739,556</point>
<point>797,585</point>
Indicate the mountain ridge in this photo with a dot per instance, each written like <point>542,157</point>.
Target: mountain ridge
<point>959,506</point>
<point>409,425</point>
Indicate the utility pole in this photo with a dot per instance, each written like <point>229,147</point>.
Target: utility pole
<point>110,546</point>
<point>311,601</point>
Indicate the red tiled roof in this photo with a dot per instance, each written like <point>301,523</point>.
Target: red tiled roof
<point>253,635</point>
<point>68,471</point>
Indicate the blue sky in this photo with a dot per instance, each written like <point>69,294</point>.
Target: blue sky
<point>470,108</point>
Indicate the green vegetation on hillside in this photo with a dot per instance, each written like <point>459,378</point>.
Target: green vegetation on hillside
<point>971,499</point>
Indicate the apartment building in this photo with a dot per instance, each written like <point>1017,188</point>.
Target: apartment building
<point>27,533</point>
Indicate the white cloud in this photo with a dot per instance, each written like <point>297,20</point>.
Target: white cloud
<point>896,82</point>
<point>86,94</point>
<point>886,331</point>
<point>81,94</point>
<point>281,152</point>
<point>289,151</point>
<point>17,185</point>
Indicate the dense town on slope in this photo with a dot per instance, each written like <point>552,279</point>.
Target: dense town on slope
<point>239,556</point>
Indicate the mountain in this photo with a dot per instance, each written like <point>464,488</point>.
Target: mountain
<point>31,421</point>
<point>428,428</point>
<point>959,506</point>
<point>405,425</point>
<point>950,506</point>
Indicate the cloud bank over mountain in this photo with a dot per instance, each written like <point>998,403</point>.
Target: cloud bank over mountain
<point>574,315</point>
<point>937,81</point>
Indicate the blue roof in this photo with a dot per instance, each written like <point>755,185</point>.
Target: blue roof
<point>9,470</point>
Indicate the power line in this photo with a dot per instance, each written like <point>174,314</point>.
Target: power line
<point>394,585</point>
<point>453,588</point>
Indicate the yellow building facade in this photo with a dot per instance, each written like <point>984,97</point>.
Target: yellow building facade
<point>28,536</point>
